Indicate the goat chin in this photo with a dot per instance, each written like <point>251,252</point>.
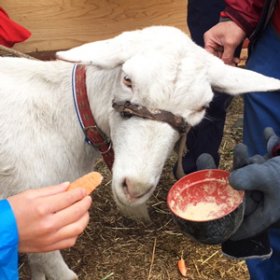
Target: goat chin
<point>137,213</point>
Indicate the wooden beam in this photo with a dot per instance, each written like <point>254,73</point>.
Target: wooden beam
<point>59,24</point>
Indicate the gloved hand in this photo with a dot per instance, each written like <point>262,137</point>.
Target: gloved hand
<point>241,159</point>
<point>256,246</point>
<point>253,247</point>
<point>260,178</point>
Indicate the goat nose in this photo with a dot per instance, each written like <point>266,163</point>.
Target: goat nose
<point>134,189</point>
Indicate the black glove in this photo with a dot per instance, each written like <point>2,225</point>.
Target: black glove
<point>255,247</point>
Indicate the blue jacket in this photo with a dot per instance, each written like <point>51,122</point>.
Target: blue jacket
<point>8,243</point>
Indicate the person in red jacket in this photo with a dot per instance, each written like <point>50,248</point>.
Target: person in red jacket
<point>258,20</point>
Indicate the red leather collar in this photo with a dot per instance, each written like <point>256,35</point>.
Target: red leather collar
<point>94,135</point>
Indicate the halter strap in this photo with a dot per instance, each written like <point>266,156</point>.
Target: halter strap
<point>93,134</point>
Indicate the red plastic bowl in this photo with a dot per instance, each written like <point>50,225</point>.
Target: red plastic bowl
<point>206,206</point>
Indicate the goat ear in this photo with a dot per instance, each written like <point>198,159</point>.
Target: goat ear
<point>234,80</point>
<point>107,53</point>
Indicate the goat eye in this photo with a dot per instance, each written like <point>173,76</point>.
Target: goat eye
<point>127,82</point>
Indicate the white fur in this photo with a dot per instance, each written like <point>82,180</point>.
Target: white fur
<point>41,140</point>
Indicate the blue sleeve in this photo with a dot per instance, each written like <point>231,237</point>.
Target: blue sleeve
<point>8,243</point>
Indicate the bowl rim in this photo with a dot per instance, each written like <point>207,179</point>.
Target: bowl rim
<point>187,176</point>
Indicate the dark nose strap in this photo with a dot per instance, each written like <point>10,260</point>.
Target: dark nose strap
<point>128,109</point>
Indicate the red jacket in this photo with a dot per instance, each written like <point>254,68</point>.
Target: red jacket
<point>10,31</point>
<point>248,13</point>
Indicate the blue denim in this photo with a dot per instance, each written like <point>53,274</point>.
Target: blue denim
<point>268,269</point>
<point>262,110</point>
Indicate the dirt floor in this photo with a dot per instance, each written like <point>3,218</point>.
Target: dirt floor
<point>116,248</point>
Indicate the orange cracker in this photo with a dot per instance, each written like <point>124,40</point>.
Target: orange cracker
<point>89,182</point>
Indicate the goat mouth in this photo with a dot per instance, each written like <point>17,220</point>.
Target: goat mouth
<point>125,199</point>
<point>133,198</point>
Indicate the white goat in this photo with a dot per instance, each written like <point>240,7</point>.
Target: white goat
<point>42,142</point>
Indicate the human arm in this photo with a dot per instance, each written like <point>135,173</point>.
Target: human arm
<point>238,21</point>
<point>50,218</point>
<point>8,242</point>
<point>223,39</point>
